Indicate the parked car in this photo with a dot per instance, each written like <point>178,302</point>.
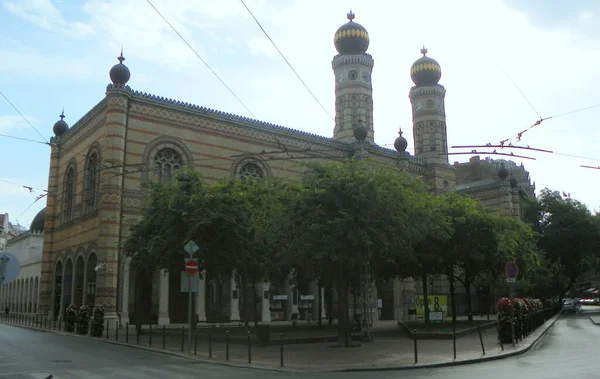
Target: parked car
<point>570,305</point>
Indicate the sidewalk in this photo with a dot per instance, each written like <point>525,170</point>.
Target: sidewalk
<point>393,351</point>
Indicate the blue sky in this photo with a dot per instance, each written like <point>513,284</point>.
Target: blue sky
<point>57,54</point>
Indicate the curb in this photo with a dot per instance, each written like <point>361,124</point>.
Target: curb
<point>198,359</point>
<point>525,349</point>
<point>594,321</point>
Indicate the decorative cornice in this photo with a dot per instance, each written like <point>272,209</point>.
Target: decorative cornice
<point>238,120</point>
<point>67,138</point>
<point>342,60</point>
<point>436,90</point>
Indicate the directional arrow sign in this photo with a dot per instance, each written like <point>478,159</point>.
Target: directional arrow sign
<point>9,268</point>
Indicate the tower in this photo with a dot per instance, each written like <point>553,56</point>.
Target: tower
<point>429,123</point>
<point>429,116</point>
<point>352,68</point>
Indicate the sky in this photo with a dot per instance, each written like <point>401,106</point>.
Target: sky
<point>504,64</point>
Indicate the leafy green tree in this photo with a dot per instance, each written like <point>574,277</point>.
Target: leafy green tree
<point>570,236</point>
<point>349,216</point>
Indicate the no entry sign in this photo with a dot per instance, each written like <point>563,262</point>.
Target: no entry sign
<point>191,266</point>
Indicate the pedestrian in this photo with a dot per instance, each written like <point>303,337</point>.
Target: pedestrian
<point>6,311</point>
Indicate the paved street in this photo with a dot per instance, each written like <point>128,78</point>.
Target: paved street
<point>566,352</point>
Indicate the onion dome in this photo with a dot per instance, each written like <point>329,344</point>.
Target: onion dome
<point>513,181</point>
<point>400,143</point>
<point>37,225</point>
<point>119,73</point>
<point>360,131</point>
<point>60,127</point>
<point>425,71</point>
<point>351,38</point>
<point>502,172</point>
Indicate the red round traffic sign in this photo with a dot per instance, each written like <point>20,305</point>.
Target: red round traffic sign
<point>191,267</point>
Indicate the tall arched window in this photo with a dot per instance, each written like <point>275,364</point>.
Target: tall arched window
<point>69,195</point>
<point>91,182</point>
<point>250,171</point>
<point>166,162</point>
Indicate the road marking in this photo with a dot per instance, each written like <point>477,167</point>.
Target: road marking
<point>41,375</point>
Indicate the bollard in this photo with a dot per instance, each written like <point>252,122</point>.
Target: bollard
<point>227,345</point>
<point>164,335</point>
<point>195,342</point>
<point>210,344</point>
<point>512,330</point>
<point>480,339</point>
<point>500,338</point>
<point>454,340</point>
<point>137,333</point>
<point>150,334</point>
<point>415,343</point>
<point>107,326</point>
<point>281,350</point>
<point>117,326</point>
<point>127,332</point>
<point>182,338</point>
<point>249,348</point>
<point>55,324</point>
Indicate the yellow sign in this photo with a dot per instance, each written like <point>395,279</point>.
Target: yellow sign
<point>437,303</point>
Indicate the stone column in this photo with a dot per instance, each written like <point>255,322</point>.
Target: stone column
<point>265,304</point>
<point>234,304</point>
<point>126,285</point>
<point>201,298</point>
<point>110,200</point>
<point>163,300</point>
<point>46,284</point>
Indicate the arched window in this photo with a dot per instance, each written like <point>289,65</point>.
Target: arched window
<point>69,195</point>
<point>91,182</point>
<point>166,162</point>
<point>250,171</point>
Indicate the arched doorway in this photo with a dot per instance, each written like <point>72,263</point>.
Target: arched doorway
<point>68,285</point>
<point>78,282</point>
<point>90,290</point>
<point>58,287</point>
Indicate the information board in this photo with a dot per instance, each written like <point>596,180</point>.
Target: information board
<point>437,303</point>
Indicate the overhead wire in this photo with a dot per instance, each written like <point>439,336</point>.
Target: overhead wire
<point>22,116</point>
<point>201,59</point>
<point>287,61</point>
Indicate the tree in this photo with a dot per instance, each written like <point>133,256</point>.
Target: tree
<point>429,251</point>
<point>351,216</point>
<point>569,235</point>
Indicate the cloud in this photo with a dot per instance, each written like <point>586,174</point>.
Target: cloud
<point>9,123</point>
<point>32,63</point>
<point>45,15</point>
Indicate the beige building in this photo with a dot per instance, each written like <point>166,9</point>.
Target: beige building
<point>21,295</point>
<point>100,164</point>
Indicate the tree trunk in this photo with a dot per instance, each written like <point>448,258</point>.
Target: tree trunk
<point>468,295</point>
<point>319,306</point>
<point>254,304</point>
<point>425,297</point>
<point>452,295</point>
<point>343,324</point>
<point>329,299</point>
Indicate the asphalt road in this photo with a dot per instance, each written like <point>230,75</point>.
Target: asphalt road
<point>567,351</point>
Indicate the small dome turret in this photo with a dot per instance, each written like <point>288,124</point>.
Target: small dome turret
<point>37,225</point>
<point>360,131</point>
<point>60,126</point>
<point>425,71</point>
<point>513,181</point>
<point>400,144</point>
<point>119,73</point>
<point>351,38</point>
<point>502,172</point>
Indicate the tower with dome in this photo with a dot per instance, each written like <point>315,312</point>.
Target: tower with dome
<point>101,164</point>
